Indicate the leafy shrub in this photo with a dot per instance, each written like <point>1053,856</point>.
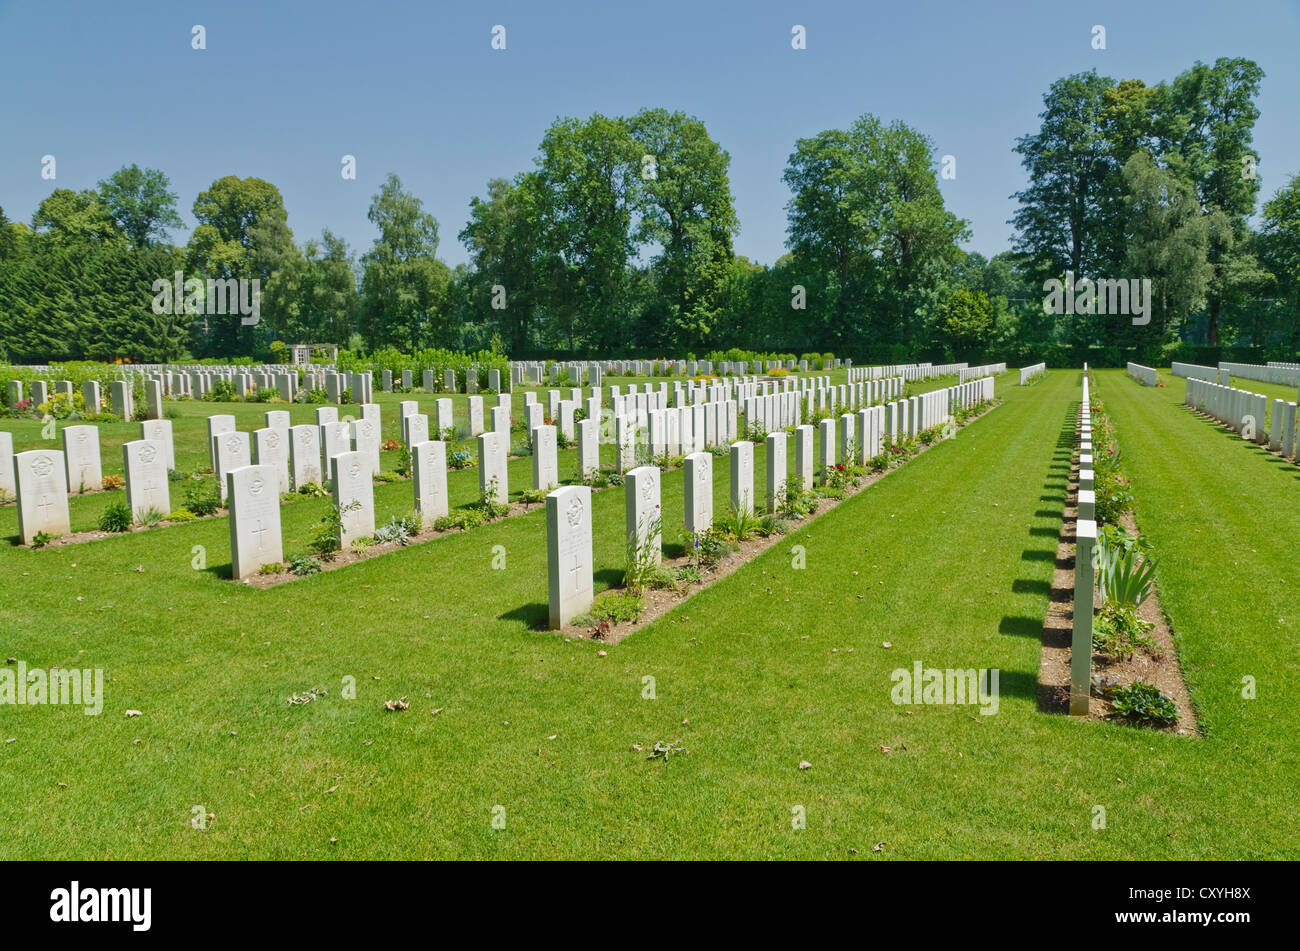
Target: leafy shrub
<point>709,548</point>
<point>113,482</point>
<point>270,568</point>
<point>616,607</point>
<point>488,504</point>
<point>223,391</point>
<point>305,565</point>
<point>398,530</point>
<point>116,517</point>
<point>460,459</point>
<point>181,515</point>
<point>203,496</point>
<point>1144,703</point>
<point>1117,631</point>
<point>324,541</point>
<point>740,525</point>
<point>642,563</point>
<point>41,539</point>
<point>1113,496</point>
<point>687,574</point>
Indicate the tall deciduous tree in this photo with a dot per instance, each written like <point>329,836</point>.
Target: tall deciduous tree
<point>404,284</point>
<point>1167,243</point>
<point>141,203</point>
<point>686,209</point>
<point>242,234</point>
<point>1208,134</point>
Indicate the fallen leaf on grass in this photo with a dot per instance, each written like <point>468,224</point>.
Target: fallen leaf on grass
<point>399,704</point>
<point>134,713</point>
<point>663,750</point>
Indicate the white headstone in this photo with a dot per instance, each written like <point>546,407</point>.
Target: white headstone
<point>271,449</point>
<point>429,473</point>
<point>221,423</point>
<point>81,453</point>
<point>254,519</point>
<point>803,456</point>
<point>354,494</point>
<point>492,474</point>
<point>588,447</point>
<point>7,466</point>
<point>742,477</point>
<point>365,439</point>
<point>231,451</point>
<point>144,462</point>
<point>546,467</point>
<point>644,514</point>
<point>41,485</point>
<point>777,469</point>
<point>698,476</point>
<point>568,551</point>
<point>304,455</point>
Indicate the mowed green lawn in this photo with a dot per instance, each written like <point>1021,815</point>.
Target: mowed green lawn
<point>948,560</point>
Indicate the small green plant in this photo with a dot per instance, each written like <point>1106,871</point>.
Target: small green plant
<point>41,539</point>
<point>181,515</point>
<point>687,575</point>
<point>796,502</point>
<point>617,607</point>
<point>708,548</point>
<point>270,568</point>
<point>1118,631</point>
<point>770,525</point>
<point>399,531</point>
<point>1144,703</point>
<point>305,565</point>
<point>643,559</point>
<point>740,525</point>
<point>325,541</point>
<point>404,461</point>
<point>1113,495</point>
<point>532,496</point>
<point>487,501</point>
<point>116,517</point>
<point>1124,575</point>
<point>313,490</point>
<point>203,496</point>
<point>151,517</point>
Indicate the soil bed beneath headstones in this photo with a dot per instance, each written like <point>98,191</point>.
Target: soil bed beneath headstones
<point>349,556</point>
<point>659,601</point>
<point>1164,670</point>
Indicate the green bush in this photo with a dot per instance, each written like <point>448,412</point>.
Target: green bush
<point>116,517</point>
<point>203,497</point>
<point>1144,703</point>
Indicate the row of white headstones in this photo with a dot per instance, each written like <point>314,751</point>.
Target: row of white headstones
<point>1084,576</point>
<point>348,451</point>
<point>1244,412</point>
<point>294,450</point>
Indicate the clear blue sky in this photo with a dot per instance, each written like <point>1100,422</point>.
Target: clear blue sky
<point>283,90</point>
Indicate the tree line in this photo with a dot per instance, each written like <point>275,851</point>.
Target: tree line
<point>619,241</point>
